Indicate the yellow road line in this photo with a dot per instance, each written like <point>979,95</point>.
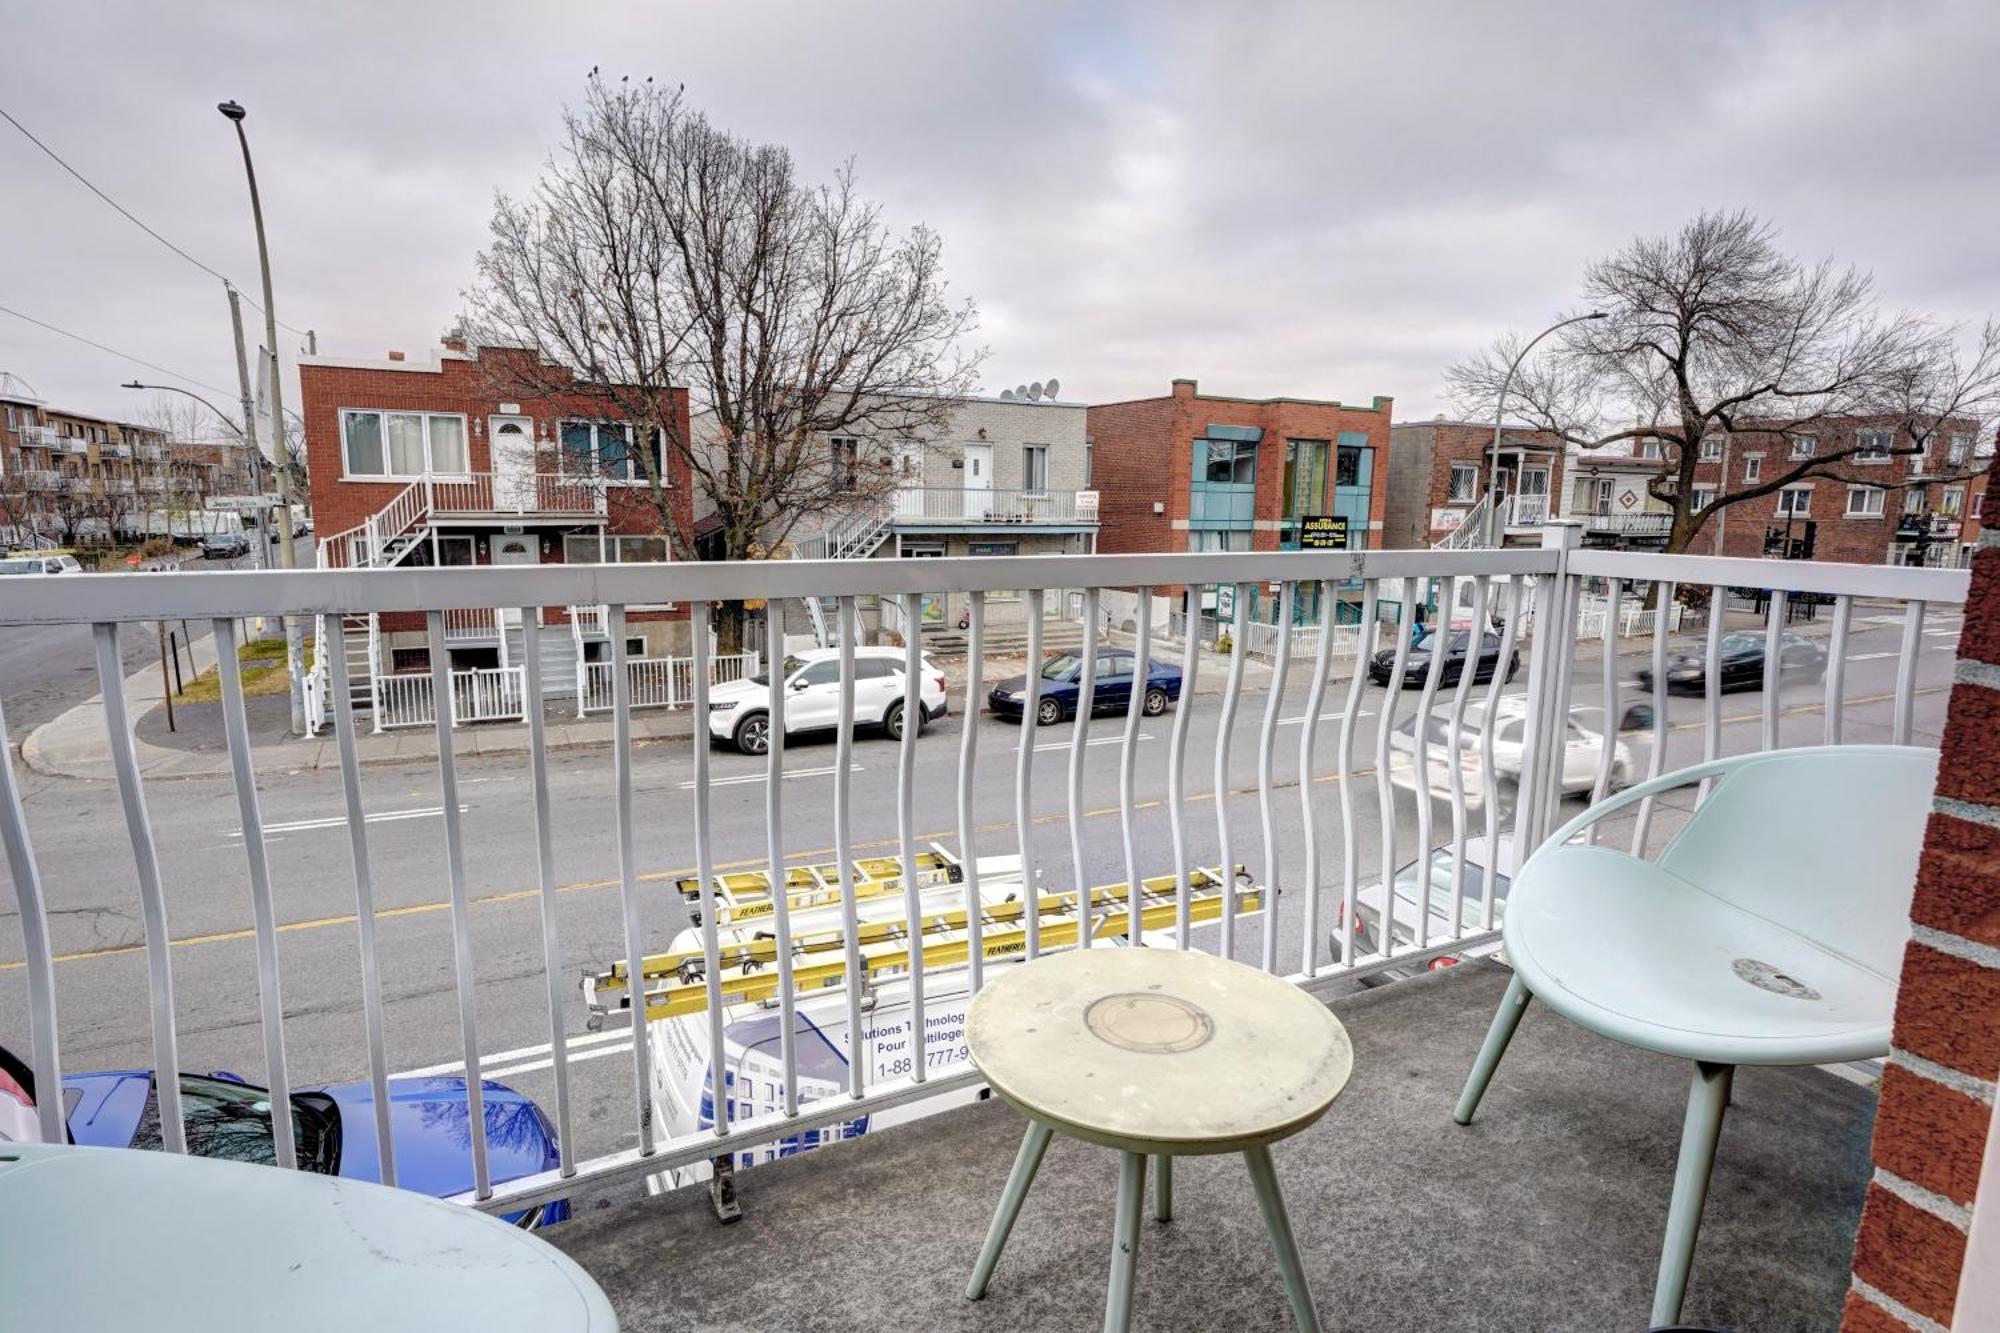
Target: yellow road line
<point>755,862</point>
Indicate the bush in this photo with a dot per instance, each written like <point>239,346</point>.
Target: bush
<point>157,546</point>
<point>1224,644</point>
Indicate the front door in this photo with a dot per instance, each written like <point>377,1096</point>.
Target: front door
<point>515,549</point>
<point>512,441</point>
<point>978,480</point>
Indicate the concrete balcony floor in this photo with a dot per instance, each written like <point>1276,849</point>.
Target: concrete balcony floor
<point>1546,1213</point>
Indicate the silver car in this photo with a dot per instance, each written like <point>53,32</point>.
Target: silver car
<point>1433,870</point>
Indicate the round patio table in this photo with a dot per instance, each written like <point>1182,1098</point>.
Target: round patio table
<point>1156,1053</point>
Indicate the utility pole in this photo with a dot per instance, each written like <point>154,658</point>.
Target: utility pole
<point>281,450</point>
<point>1497,522</point>
<point>249,419</point>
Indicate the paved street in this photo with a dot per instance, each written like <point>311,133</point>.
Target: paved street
<point>81,841</point>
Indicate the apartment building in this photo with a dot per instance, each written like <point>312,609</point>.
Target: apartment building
<point>1211,472</point>
<point>1877,506</point>
<point>1441,471</point>
<point>440,463</point>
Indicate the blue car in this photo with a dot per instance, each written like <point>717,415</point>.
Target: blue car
<point>1062,683</point>
<point>334,1128</point>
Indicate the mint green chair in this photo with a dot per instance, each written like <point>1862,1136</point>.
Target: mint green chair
<point>1770,931</point>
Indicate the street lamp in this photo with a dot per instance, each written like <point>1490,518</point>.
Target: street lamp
<point>1500,414</point>
<point>281,451</point>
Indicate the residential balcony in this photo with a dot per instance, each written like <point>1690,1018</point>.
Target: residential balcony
<point>42,479</point>
<point>39,437</point>
<point>918,506</point>
<point>507,495</point>
<point>1546,1213</point>
<point>1642,526</point>
<point>1527,511</point>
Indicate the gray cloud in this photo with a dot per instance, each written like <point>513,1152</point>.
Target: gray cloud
<point>1326,200</point>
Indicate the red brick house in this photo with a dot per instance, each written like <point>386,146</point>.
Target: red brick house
<point>1203,472</point>
<point>415,463</point>
<point>1876,507</point>
<point>1440,470</point>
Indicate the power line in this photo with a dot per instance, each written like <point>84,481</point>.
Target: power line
<point>133,218</point>
<point>123,356</point>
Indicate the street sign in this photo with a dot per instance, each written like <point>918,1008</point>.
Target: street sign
<point>242,504</point>
<point>1323,532</point>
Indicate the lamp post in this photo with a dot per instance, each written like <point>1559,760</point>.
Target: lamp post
<point>281,451</point>
<point>250,445</point>
<point>1493,515</point>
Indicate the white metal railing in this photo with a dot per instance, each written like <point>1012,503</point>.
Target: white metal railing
<point>1267,640</point>
<point>992,505</point>
<point>1227,763</point>
<point>462,623</point>
<point>851,537</point>
<point>656,682</point>
<point>1471,531</point>
<point>1527,511</point>
<point>1645,523</point>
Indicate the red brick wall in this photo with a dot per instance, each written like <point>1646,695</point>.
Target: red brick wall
<point>1938,1092</point>
<point>1142,452</point>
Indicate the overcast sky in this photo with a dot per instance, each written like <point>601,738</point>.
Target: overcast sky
<point>1315,199</point>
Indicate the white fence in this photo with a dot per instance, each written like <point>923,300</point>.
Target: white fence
<point>1163,829</point>
<point>486,694</point>
<point>655,682</point>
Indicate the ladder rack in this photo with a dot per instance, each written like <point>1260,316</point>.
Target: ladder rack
<point>675,983</point>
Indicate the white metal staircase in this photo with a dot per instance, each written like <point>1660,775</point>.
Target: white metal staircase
<point>1472,530</point>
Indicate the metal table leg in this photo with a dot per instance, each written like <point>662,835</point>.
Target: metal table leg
<point>1026,1162</point>
<point>1125,1241</point>
<point>1264,1179</point>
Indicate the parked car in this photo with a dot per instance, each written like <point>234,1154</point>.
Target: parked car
<point>1111,687</point>
<point>224,545</point>
<point>39,562</point>
<point>1583,749</point>
<point>1434,871</point>
<point>738,711</point>
<point>333,1128</point>
<point>1742,664</point>
<point>1417,663</point>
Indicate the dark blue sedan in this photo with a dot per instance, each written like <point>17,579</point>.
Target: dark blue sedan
<point>1062,683</point>
<point>333,1127</point>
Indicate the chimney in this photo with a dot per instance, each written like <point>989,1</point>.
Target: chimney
<point>454,342</point>
<point>395,356</point>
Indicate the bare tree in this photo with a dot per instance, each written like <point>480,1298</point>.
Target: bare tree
<point>1715,330</point>
<point>661,254</point>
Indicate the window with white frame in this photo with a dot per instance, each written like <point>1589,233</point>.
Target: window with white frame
<point>582,549</point>
<point>401,444</point>
<point>1978,504</point>
<point>846,453</point>
<point>1464,483</point>
<point>1953,501</point>
<point>1804,446</point>
<point>602,451</point>
<point>1864,502</point>
<point>1034,467</point>
<point>1701,497</point>
<point>1913,500</point>
<point>1795,501</point>
<point>1089,462</point>
<point>1957,450</point>
<point>1753,467</point>
<point>1647,448</point>
<point>1872,446</point>
<point>1711,448</point>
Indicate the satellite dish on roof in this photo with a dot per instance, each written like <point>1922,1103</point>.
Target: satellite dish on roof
<point>1020,391</point>
<point>1006,395</point>
<point>1035,392</point>
<point>1051,387</point>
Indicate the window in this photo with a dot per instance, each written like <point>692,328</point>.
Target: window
<point>1701,497</point>
<point>1864,502</point>
<point>582,549</point>
<point>1464,482</point>
<point>1804,446</point>
<point>1978,503</point>
<point>603,450</point>
<point>825,672</point>
<point>1957,450</point>
<point>1035,467</point>
<point>402,444</point>
<point>1872,446</point>
<point>1795,501</point>
<point>1219,539</point>
<point>452,552</point>
<point>1646,449</point>
<point>1953,501</point>
<point>846,451</point>
<point>1089,463</point>
<point>1226,462</point>
<point>1913,500</point>
<point>1347,466</point>
<point>1753,467</point>
<point>1711,448</point>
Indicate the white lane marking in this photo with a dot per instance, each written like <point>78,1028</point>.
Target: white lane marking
<point>580,1040</point>
<point>1870,657</point>
<point>1324,717</point>
<point>742,778</point>
<point>1118,739</point>
<point>1951,631</point>
<point>547,1062</point>
<point>340,821</point>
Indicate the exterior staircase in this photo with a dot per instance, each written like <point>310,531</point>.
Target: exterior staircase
<point>558,646</point>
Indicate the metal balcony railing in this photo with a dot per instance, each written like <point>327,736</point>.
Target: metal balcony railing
<point>942,504</point>
<point>1527,511</point>
<point>1644,524</point>
<point>1312,817</point>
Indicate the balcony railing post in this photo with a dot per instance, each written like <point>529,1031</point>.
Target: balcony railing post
<point>1546,712</point>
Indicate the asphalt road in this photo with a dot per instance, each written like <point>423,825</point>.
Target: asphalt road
<point>102,986</point>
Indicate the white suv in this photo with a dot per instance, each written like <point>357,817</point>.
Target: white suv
<point>739,710</point>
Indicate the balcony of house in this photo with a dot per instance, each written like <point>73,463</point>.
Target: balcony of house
<point>811,946</point>
<point>549,496</point>
<point>952,507</point>
<point>1636,529</point>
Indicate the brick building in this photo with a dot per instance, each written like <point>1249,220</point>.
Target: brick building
<point>1440,470</point>
<point>1205,472</point>
<point>436,463</point>
<point>1874,507</point>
